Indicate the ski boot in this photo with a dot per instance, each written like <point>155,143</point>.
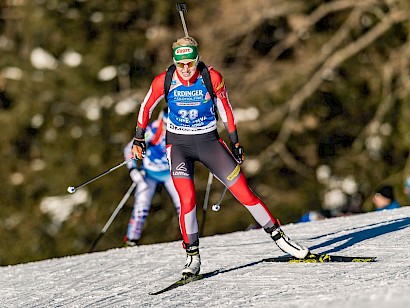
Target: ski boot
<point>286,244</point>
<point>130,243</point>
<point>193,260</point>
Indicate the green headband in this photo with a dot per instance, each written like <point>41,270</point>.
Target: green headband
<point>185,52</point>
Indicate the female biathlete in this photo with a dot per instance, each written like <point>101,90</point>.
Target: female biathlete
<point>192,136</point>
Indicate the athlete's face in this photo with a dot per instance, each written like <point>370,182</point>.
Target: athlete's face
<point>186,68</point>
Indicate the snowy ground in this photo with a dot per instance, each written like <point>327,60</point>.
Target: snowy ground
<point>124,277</point>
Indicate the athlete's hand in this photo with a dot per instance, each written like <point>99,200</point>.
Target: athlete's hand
<point>238,153</point>
<point>139,148</point>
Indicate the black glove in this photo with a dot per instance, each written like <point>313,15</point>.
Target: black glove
<point>139,148</point>
<point>238,153</point>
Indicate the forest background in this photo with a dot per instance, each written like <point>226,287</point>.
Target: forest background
<point>320,89</point>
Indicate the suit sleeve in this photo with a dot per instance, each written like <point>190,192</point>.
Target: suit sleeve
<point>151,100</point>
<point>223,105</point>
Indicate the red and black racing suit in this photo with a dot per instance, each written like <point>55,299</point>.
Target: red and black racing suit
<point>192,136</point>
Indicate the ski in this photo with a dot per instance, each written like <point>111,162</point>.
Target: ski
<point>311,258</point>
<point>185,280</point>
<point>321,258</point>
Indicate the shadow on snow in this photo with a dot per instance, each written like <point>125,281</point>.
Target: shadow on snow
<point>347,240</point>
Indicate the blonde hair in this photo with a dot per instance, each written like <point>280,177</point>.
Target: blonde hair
<point>185,41</point>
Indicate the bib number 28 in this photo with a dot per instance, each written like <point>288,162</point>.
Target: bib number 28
<point>190,114</point>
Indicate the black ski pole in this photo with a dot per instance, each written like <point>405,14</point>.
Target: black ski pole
<point>181,8</point>
<point>72,189</point>
<point>217,207</point>
<point>113,215</point>
<point>205,205</point>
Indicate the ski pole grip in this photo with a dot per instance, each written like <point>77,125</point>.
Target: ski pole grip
<point>182,7</point>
